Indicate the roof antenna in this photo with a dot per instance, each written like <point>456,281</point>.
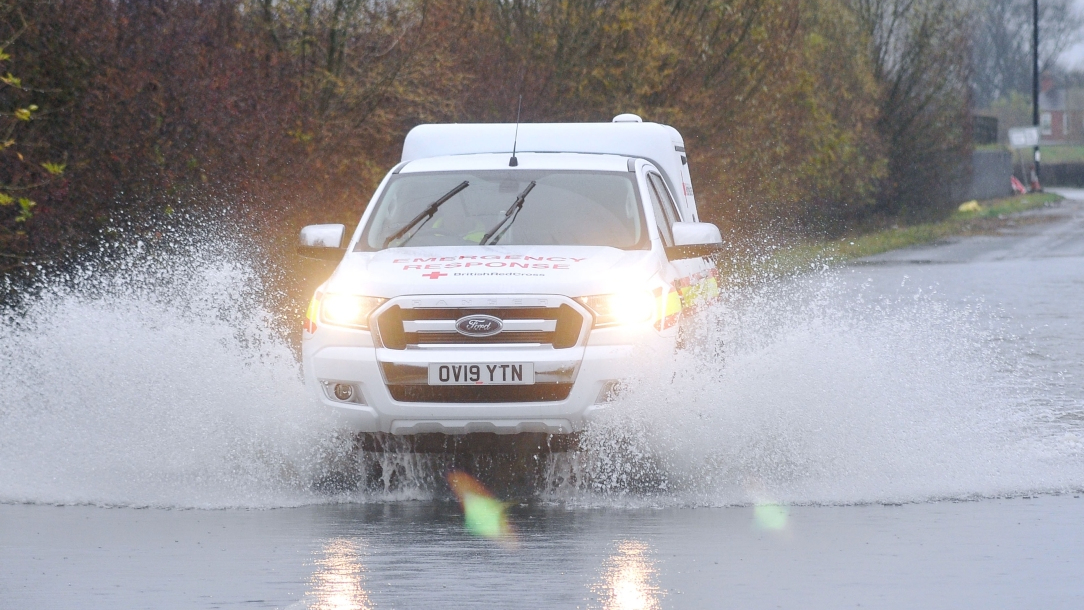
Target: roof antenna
<point>513,162</point>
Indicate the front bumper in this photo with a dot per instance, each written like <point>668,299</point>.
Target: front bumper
<point>390,391</point>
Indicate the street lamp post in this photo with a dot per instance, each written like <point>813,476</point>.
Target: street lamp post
<point>1035,81</point>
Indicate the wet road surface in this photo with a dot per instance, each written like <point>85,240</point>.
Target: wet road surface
<point>995,546</point>
<point>1011,553</point>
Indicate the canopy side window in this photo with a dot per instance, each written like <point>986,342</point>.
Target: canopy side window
<point>662,218</point>
<point>668,202</point>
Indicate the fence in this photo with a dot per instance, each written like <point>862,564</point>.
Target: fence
<point>991,173</point>
<point>1063,174</point>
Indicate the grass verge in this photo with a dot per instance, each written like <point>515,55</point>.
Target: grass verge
<point>1060,154</point>
<point>747,267</point>
<point>990,216</point>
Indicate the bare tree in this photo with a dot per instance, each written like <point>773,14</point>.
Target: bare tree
<point>919,51</point>
<point>1001,44</point>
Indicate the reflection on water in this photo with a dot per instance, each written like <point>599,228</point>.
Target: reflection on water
<point>629,580</point>
<point>337,583</point>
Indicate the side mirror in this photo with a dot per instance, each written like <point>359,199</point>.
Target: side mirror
<point>694,240</point>
<point>322,241</point>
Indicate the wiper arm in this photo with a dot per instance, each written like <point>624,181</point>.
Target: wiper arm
<point>425,215</point>
<point>509,218</point>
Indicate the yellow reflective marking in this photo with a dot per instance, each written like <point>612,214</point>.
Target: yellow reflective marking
<point>673,303</point>
<point>704,290</point>
<point>314,306</point>
<point>709,287</point>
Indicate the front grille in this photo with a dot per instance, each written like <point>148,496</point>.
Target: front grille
<point>400,328</point>
<point>458,339</point>
<point>539,392</point>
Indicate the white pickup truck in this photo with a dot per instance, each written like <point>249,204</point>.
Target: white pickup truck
<point>503,277</point>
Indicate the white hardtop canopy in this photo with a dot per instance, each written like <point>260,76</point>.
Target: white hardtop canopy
<point>661,145</point>
<point>527,160</point>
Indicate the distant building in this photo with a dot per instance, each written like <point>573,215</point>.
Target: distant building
<point>1061,114</point>
<point>984,129</point>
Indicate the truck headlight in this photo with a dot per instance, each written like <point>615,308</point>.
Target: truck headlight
<point>621,308</point>
<point>348,310</point>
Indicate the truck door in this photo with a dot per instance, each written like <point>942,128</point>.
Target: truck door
<point>696,279</point>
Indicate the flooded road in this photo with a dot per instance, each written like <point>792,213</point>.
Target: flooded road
<point>904,432</point>
<point>1010,553</point>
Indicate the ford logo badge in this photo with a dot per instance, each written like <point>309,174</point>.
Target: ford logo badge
<point>479,325</point>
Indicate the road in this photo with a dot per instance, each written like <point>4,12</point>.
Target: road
<point>904,432</point>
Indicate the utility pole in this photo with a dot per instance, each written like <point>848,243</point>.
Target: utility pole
<point>1035,83</point>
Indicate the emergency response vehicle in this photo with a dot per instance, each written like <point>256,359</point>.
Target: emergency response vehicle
<point>504,277</point>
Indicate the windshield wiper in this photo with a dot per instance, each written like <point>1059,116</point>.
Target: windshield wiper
<point>509,218</point>
<point>425,215</point>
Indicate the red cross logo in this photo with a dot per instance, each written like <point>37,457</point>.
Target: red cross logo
<point>434,275</point>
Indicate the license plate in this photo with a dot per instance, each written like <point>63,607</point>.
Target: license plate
<point>493,373</point>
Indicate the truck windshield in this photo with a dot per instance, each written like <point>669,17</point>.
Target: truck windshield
<point>570,208</point>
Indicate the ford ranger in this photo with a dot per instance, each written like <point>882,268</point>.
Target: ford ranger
<point>504,277</point>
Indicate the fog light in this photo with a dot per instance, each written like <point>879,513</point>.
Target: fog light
<point>609,393</point>
<point>343,391</point>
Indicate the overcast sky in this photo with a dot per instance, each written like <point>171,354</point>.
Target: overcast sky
<point>1073,57</point>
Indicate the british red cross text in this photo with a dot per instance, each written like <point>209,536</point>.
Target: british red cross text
<point>509,261</point>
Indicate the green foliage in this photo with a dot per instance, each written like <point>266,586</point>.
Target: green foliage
<point>296,108</point>
<point>830,151</point>
<point>25,205</point>
<point>23,177</point>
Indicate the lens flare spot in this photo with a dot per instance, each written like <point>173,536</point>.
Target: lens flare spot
<point>483,514</point>
<point>771,516</point>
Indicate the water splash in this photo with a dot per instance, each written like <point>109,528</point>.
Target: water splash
<point>159,379</point>
<point>155,379</point>
<point>816,390</point>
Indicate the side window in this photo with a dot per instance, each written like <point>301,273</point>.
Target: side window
<point>661,219</point>
<point>668,202</point>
